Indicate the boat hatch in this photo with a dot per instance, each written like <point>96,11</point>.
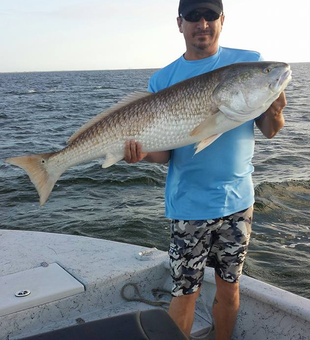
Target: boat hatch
<point>35,287</point>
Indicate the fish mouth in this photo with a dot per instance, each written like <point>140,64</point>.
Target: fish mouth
<point>285,76</point>
<point>282,81</point>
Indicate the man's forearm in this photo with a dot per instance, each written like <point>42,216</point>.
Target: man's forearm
<point>271,123</point>
<point>161,157</point>
<point>134,154</point>
<point>273,120</point>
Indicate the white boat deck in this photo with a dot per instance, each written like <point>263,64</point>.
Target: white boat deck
<point>104,267</point>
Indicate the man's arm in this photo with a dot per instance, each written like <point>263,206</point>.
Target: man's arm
<point>134,154</point>
<point>273,121</point>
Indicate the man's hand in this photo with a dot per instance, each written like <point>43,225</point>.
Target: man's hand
<point>277,106</point>
<point>273,121</point>
<point>133,152</point>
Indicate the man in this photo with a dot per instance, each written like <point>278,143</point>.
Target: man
<point>210,196</point>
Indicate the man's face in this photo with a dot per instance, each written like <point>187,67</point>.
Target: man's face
<point>201,37</point>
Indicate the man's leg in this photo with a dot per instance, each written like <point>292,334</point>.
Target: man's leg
<point>182,309</point>
<point>225,308</point>
<point>229,252</point>
<point>188,252</point>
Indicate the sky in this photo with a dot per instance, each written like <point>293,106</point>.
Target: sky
<point>58,35</point>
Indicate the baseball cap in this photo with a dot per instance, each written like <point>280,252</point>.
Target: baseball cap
<point>187,6</point>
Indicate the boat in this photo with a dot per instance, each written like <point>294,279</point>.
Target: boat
<point>53,282</point>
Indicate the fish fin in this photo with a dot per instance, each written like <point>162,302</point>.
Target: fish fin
<point>111,160</point>
<point>123,102</point>
<point>37,169</point>
<point>206,142</point>
<point>214,125</point>
<point>132,97</point>
<point>208,126</point>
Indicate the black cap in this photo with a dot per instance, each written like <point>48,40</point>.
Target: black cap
<point>187,6</point>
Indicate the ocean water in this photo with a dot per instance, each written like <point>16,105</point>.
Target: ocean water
<point>40,111</point>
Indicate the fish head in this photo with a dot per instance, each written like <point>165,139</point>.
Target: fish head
<point>246,90</point>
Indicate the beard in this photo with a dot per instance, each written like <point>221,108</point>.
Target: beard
<point>203,45</point>
<point>205,41</point>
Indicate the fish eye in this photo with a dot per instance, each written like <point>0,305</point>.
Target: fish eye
<point>267,70</point>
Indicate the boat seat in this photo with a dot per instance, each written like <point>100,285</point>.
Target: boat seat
<point>153,324</point>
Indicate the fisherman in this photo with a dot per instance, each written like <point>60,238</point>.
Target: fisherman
<point>209,197</point>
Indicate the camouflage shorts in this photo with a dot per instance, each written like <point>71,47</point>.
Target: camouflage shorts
<point>220,243</point>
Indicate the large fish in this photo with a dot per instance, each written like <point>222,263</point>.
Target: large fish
<point>197,110</point>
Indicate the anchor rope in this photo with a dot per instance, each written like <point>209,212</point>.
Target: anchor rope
<point>139,298</point>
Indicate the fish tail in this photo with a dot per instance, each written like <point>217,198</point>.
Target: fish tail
<point>41,174</point>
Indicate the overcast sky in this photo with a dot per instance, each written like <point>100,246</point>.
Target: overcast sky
<point>54,35</point>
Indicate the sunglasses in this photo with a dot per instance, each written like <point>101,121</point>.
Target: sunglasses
<point>195,16</point>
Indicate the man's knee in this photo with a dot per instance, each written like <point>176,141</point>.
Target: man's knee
<point>187,298</point>
<point>227,292</point>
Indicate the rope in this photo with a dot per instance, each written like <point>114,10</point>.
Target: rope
<point>140,298</point>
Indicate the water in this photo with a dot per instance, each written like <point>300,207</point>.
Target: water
<point>40,111</point>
